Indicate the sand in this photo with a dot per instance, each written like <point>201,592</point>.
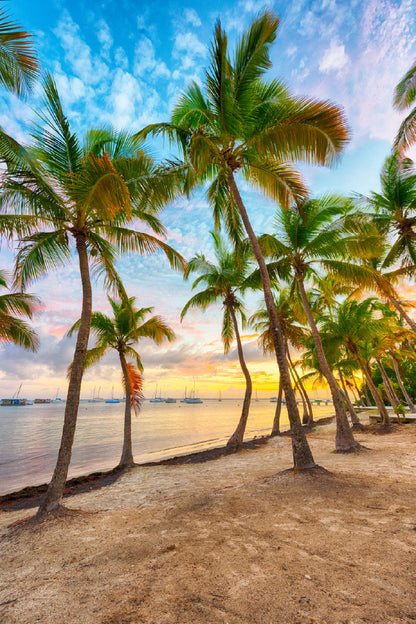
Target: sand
<point>231,541</point>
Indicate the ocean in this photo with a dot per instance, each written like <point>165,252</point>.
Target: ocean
<point>30,435</point>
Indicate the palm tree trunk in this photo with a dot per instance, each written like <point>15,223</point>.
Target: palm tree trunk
<point>126,460</point>
<point>277,412</point>
<point>367,398</point>
<point>407,398</point>
<point>392,396</point>
<point>236,440</point>
<point>402,312</point>
<point>302,454</point>
<point>344,439</point>
<point>305,399</point>
<point>353,414</point>
<point>359,400</point>
<point>57,485</point>
<point>385,419</point>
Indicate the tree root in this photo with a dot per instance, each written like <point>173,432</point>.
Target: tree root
<point>313,471</point>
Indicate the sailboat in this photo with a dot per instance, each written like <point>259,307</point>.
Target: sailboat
<point>156,399</point>
<point>96,399</point>
<point>112,400</point>
<point>57,399</point>
<point>192,399</point>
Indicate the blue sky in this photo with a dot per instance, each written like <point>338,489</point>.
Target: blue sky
<point>124,63</point>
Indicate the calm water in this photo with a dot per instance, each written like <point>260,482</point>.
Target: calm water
<point>30,435</point>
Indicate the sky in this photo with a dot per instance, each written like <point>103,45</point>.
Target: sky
<point>124,64</point>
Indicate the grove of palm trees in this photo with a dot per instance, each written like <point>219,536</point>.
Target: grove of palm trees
<point>313,522</point>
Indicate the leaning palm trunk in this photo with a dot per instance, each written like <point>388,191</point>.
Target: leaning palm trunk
<point>344,439</point>
<point>277,412</point>
<point>302,454</point>
<point>392,396</point>
<point>353,414</point>
<point>236,440</point>
<point>385,419</point>
<point>308,413</point>
<point>367,397</point>
<point>126,460</point>
<point>403,313</point>
<point>407,398</point>
<point>358,399</point>
<point>57,485</point>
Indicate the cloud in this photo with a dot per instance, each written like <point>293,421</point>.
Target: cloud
<point>191,17</point>
<point>105,38</point>
<point>125,95</point>
<point>145,62</point>
<point>334,58</point>
<point>90,69</point>
<point>188,49</point>
<point>71,89</point>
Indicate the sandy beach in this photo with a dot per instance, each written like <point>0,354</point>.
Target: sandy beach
<point>230,541</point>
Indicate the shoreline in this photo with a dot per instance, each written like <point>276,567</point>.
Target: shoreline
<point>30,496</point>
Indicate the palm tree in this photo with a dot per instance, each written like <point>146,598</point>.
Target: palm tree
<point>393,213</point>
<point>59,191</point>
<point>12,328</point>
<point>318,235</point>
<point>355,325</point>
<point>121,332</point>
<point>404,97</point>
<point>242,124</point>
<point>223,282</point>
<point>18,62</point>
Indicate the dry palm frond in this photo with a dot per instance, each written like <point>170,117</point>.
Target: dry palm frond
<point>136,386</point>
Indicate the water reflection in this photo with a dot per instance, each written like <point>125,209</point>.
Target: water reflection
<point>30,436</point>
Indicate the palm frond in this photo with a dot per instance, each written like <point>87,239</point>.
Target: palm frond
<point>201,300</point>
<point>17,331</point>
<point>227,330</point>
<point>405,91</point>
<point>136,386</point>
<point>19,66</point>
<point>38,254</point>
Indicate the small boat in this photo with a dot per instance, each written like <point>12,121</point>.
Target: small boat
<point>192,399</point>
<point>112,400</point>
<point>96,399</point>
<point>43,401</point>
<point>157,399</point>
<point>14,401</point>
<point>170,400</point>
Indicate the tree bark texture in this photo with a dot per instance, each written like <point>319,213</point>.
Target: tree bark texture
<point>302,454</point>
<point>236,440</point>
<point>57,485</point>
<point>344,439</point>
<point>126,460</point>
